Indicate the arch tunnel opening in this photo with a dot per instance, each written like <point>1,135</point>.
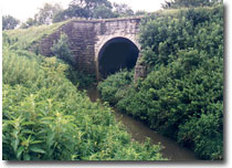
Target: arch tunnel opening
<point>118,53</point>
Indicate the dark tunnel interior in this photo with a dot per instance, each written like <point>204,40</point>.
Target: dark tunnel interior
<point>116,54</point>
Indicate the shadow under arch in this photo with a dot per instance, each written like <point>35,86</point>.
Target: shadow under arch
<point>117,53</point>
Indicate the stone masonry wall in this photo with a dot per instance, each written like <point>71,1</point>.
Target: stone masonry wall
<point>87,37</point>
<point>140,70</point>
<point>82,38</point>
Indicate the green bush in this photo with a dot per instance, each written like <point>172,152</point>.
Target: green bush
<point>45,117</point>
<point>114,87</point>
<point>80,79</point>
<point>182,95</point>
<point>19,69</point>
<point>61,50</point>
<point>204,132</point>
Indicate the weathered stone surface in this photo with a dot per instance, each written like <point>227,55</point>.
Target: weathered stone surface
<point>87,37</point>
<point>140,70</point>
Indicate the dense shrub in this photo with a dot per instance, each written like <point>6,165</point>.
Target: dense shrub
<point>45,117</point>
<point>112,90</point>
<point>80,79</point>
<point>182,95</point>
<point>61,50</point>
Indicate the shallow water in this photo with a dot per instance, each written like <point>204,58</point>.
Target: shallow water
<point>139,132</point>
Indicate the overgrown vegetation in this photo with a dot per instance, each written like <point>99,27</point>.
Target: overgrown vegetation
<point>45,117</point>
<point>189,3</point>
<point>116,85</point>
<point>182,95</point>
<point>9,22</point>
<point>27,39</point>
<point>61,50</point>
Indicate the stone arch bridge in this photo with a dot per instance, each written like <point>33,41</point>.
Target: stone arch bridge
<point>101,46</point>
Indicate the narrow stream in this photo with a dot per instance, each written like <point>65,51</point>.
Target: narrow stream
<point>139,131</point>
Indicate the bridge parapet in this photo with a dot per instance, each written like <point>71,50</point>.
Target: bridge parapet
<point>87,37</point>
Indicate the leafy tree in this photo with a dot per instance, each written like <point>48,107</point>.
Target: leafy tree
<point>72,11</point>
<point>9,22</point>
<point>86,9</point>
<point>90,4</point>
<point>140,12</point>
<point>188,3</point>
<point>30,22</point>
<point>103,12</point>
<point>46,13</point>
<point>122,9</point>
<point>59,17</point>
<point>93,9</point>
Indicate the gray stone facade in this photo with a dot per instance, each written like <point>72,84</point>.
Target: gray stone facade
<point>87,37</point>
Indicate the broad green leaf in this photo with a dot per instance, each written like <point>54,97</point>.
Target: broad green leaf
<point>19,152</point>
<point>37,150</point>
